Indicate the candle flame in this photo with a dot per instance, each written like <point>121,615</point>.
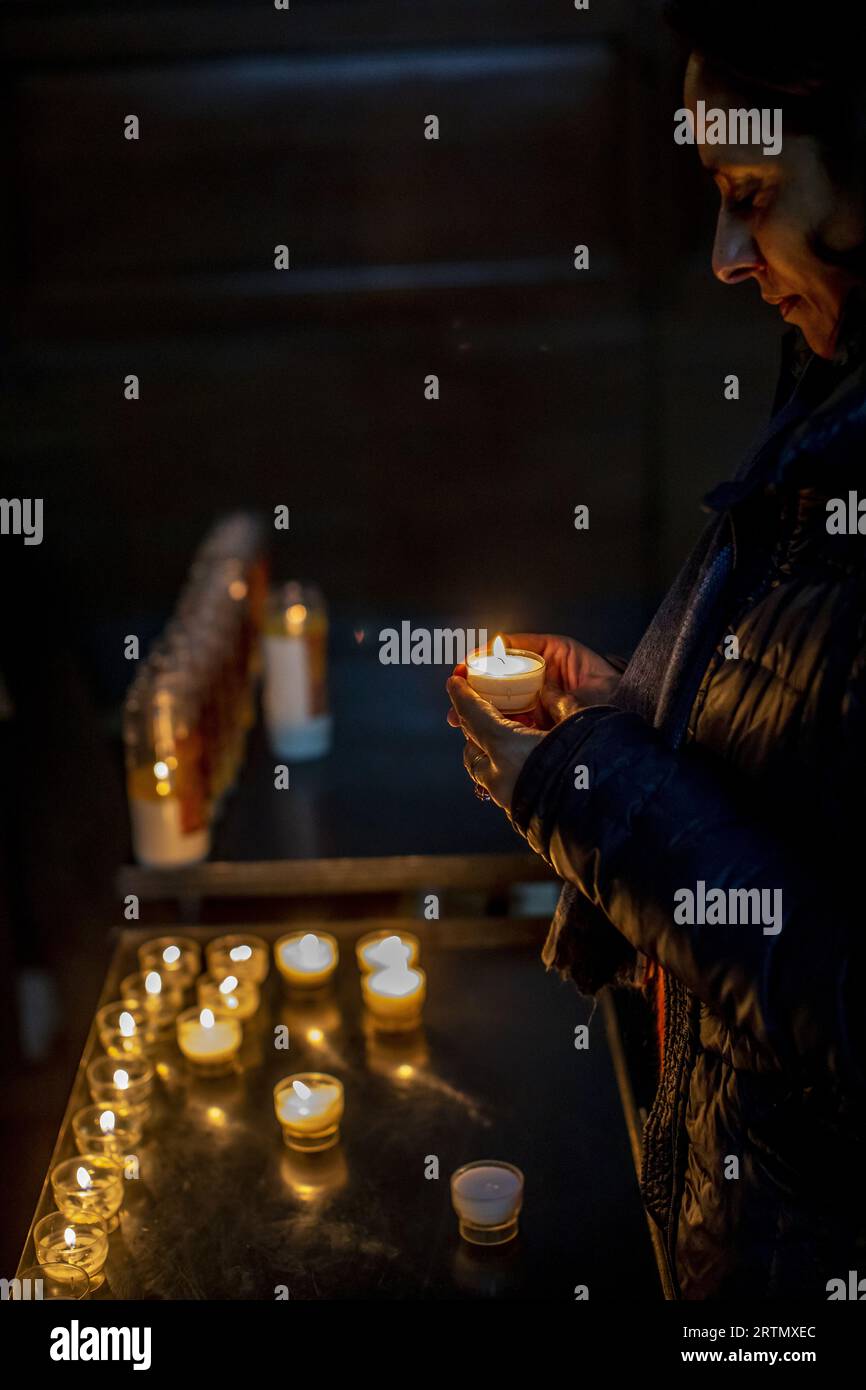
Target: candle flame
<point>83,1178</point>
<point>171,954</point>
<point>240,952</point>
<point>229,983</point>
<point>301,1091</point>
<point>161,770</point>
<point>309,947</point>
<point>126,1024</point>
<point>106,1122</point>
<point>152,982</point>
<point>206,1018</point>
<point>69,1237</point>
<point>499,648</point>
<point>315,1035</point>
<point>121,1079</point>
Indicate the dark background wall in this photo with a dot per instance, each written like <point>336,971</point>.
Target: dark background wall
<point>305,387</point>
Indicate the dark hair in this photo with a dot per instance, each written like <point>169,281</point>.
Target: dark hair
<point>801,57</point>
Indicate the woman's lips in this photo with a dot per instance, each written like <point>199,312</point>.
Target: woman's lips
<point>786,304</point>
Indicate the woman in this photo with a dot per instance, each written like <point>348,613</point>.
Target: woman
<point>730,752</point>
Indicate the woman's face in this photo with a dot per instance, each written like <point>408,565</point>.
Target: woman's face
<point>772,206</point>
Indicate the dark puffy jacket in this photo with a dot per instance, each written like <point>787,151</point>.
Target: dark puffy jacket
<point>763,1031</point>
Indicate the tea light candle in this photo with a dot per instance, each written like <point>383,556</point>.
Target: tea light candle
<point>160,999</point>
<point>306,960</point>
<point>240,997</point>
<point>509,679</point>
<point>309,1107</point>
<point>487,1197</point>
<point>89,1188</point>
<point>72,1245</point>
<point>122,1086</point>
<point>395,997</point>
<point>210,1039</point>
<point>379,949</point>
<point>99,1129</point>
<point>122,1029</point>
<point>176,958</point>
<point>48,1282</point>
<point>247,957</point>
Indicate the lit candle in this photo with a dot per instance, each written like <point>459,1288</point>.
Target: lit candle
<point>210,1039</point>
<point>101,1129</point>
<point>309,1107</point>
<point>159,998</point>
<point>122,1086</point>
<point>89,1188</point>
<point>73,1245</point>
<point>122,1029</point>
<point>487,1197</point>
<point>240,997</point>
<point>509,679</point>
<point>177,958</point>
<point>305,960</point>
<point>395,997</point>
<point>382,948</point>
<point>247,957</point>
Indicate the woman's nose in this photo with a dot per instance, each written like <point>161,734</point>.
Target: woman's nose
<point>735,253</point>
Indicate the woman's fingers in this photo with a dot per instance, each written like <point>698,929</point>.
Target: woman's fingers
<point>558,703</point>
<point>477,763</point>
<point>479,720</point>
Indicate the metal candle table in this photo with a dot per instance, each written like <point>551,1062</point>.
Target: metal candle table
<point>222,1209</point>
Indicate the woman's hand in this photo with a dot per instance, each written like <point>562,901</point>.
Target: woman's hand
<point>576,676</point>
<point>496,748</point>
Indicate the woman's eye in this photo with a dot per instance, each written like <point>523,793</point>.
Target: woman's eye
<point>749,202</point>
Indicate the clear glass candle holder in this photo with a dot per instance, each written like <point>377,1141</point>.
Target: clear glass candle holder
<point>119,1086</point>
<point>240,997</point>
<point>100,1129</point>
<point>379,949</point>
<point>122,1029</point>
<point>306,960</point>
<point>242,955</point>
<point>394,997</point>
<point>487,1196</point>
<point>160,997</point>
<point>175,958</point>
<point>309,1107</point>
<point>74,1244</point>
<point>89,1188</point>
<point>209,1039</point>
<point>49,1282</point>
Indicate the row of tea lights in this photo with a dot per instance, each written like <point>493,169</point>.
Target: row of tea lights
<point>88,1190</point>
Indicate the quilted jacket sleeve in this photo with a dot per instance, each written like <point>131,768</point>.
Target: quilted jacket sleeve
<point>642,823</point>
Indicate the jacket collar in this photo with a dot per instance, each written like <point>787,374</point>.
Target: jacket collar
<point>820,401</point>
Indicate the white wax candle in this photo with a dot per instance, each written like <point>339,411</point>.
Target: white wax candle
<point>308,954</point>
<point>309,1109</point>
<point>510,680</point>
<point>487,1194</point>
<point>390,951</point>
<point>158,841</point>
<point>208,1039</point>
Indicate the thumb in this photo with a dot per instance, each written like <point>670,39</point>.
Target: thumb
<point>480,720</point>
<point>558,703</point>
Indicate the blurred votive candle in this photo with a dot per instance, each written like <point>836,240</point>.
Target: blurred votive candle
<point>306,960</point>
<point>240,997</point>
<point>99,1129</point>
<point>122,1029</point>
<point>122,1086</point>
<point>309,1107</point>
<point>159,999</point>
<point>89,1188</point>
<point>247,957</point>
<point>176,958</point>
<point>209,1039</point>
<point>72,1244</point>
<point>511,679</point>
<point>487,1196</point>
<point>395,997</point>
<point>379,949</point>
